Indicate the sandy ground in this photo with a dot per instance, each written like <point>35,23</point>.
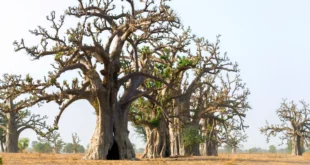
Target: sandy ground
<point>222,159</point>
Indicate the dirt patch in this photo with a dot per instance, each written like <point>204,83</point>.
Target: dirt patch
<point>222,159</point>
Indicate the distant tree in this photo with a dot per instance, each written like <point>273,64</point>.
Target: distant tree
<point>234,139</point>
<point>254,150</point>
<point>75,142</point>
<point>54,140</point>
<point>295,125</point>
<point>23,143</point>
<point>68,148</point>
<point>272,149</point>
<point>41,147</point>
<point>227,148</point>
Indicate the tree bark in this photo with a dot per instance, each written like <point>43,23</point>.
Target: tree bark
<point>234,150</point>
<point>102,140</point>
<point>121,133</point>
<point>157,144</point>
<point>11,133</point>
<point>297,145</point>
<point>2,147</point>
<point>110,139</point>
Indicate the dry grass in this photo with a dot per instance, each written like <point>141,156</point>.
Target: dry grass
<point>223,159</point>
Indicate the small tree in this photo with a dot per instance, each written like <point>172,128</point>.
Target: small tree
<point>41,147</point>
<point>234,139</point>
<point>68,148</point>
<point>75,142</point>
<point>54,140</point>
<point>23,143</point>
<point>295,125</point>
<point>272,149</point>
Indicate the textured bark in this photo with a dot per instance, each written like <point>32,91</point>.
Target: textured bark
<point>110,140</point>
<point>121,133</point>
<point>102,140</point>
<point>297,146</point>
<point>174,138</point>
<point>157,144</point>
<point>11,134</point>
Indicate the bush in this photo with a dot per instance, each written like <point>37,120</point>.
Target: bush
<point>191,136</point>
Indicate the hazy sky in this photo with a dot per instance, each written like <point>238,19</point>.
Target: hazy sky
<point>268,39</point>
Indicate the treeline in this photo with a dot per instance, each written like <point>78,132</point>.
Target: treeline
<point>52,143</point>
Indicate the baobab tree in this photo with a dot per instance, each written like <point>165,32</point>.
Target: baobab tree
<point>294,127</point>
<point>169,108</point>
<point>16,96</point>
<point>234,138</point>
<point>109,49</point>
<point>220,107</point>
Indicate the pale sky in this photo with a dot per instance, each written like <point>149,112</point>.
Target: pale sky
<point>268,38</point>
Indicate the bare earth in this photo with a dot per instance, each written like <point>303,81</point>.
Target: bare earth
<point>225,159</point>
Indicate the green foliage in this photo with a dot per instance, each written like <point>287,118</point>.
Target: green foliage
<point>191,136</point>
<point>155,122</point>
<point>1,162</point>
<point>272,149</point>
<point>23,143</point>
<point>41,147</point>
<point>68,148</point>
<point>185,62</point>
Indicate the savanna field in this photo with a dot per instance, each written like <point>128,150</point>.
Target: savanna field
<point>222,159</point>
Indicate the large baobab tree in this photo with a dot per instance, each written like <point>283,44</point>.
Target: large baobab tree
<point>15,118</point>
<point>294,127</point>
<point>110,49</point>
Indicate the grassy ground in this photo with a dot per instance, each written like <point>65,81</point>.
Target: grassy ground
<point>223,159</point>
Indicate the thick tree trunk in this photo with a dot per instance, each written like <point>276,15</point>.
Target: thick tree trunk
<point>2,147</point>
<point>110,140</point>
<point>102,140</point>
<point>297,145</point>
<point>175,138</point>
<point>157,144</point>
<point>212,149</point>
<point>209,148</point>
<point>121,134</point>
<point>11,133</point>
<point>234,150</point>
